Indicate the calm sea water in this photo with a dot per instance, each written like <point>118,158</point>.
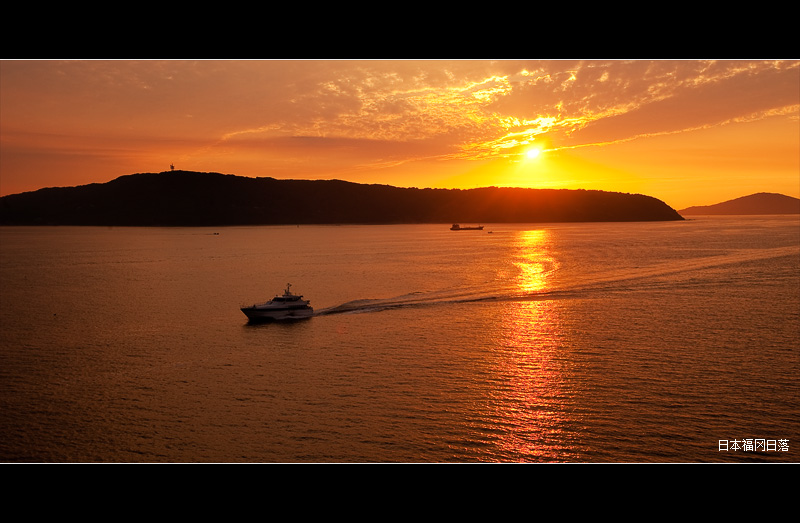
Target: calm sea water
<point>637,342</point>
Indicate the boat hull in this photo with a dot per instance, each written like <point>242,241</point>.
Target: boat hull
<point>255,314</point>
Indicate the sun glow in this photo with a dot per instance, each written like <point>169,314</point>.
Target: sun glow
<point>533,153</point>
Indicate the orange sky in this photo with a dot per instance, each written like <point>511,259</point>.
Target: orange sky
<point>687,132</point>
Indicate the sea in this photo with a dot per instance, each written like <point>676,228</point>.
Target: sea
<point>645,342</point>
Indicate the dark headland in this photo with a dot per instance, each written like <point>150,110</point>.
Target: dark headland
<point>760,203</point>
<point>184,198</point>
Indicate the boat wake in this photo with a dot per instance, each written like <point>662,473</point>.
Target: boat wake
<point>436,298</point>
<point>659,277</point>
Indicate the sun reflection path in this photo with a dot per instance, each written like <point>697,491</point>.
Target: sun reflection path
<point>534,261</point>
<point>533,398</point>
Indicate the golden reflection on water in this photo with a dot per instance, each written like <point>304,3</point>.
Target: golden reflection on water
<point>534,261</point>
<point>532,396</point>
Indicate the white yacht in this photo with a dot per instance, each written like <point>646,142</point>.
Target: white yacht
<point>287,307</point>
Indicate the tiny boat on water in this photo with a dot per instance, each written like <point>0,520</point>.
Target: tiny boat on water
<point>286,307</point>
<point>457,227</point>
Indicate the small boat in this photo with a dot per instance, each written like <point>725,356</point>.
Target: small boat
<point>286,307</point>
<point>457,227</point>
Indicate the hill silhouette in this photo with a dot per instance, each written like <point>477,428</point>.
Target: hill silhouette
<point>185,198</point>
<point>760,203</point>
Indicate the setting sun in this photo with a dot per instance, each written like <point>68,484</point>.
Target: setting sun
<point>533,153</point>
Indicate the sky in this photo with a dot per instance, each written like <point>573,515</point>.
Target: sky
<point>689,132</point>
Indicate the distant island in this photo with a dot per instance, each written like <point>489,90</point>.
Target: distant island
<point>760,203</point>
<point>186,198</point>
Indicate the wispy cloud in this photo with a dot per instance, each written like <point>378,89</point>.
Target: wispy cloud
<point>481,110</point>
